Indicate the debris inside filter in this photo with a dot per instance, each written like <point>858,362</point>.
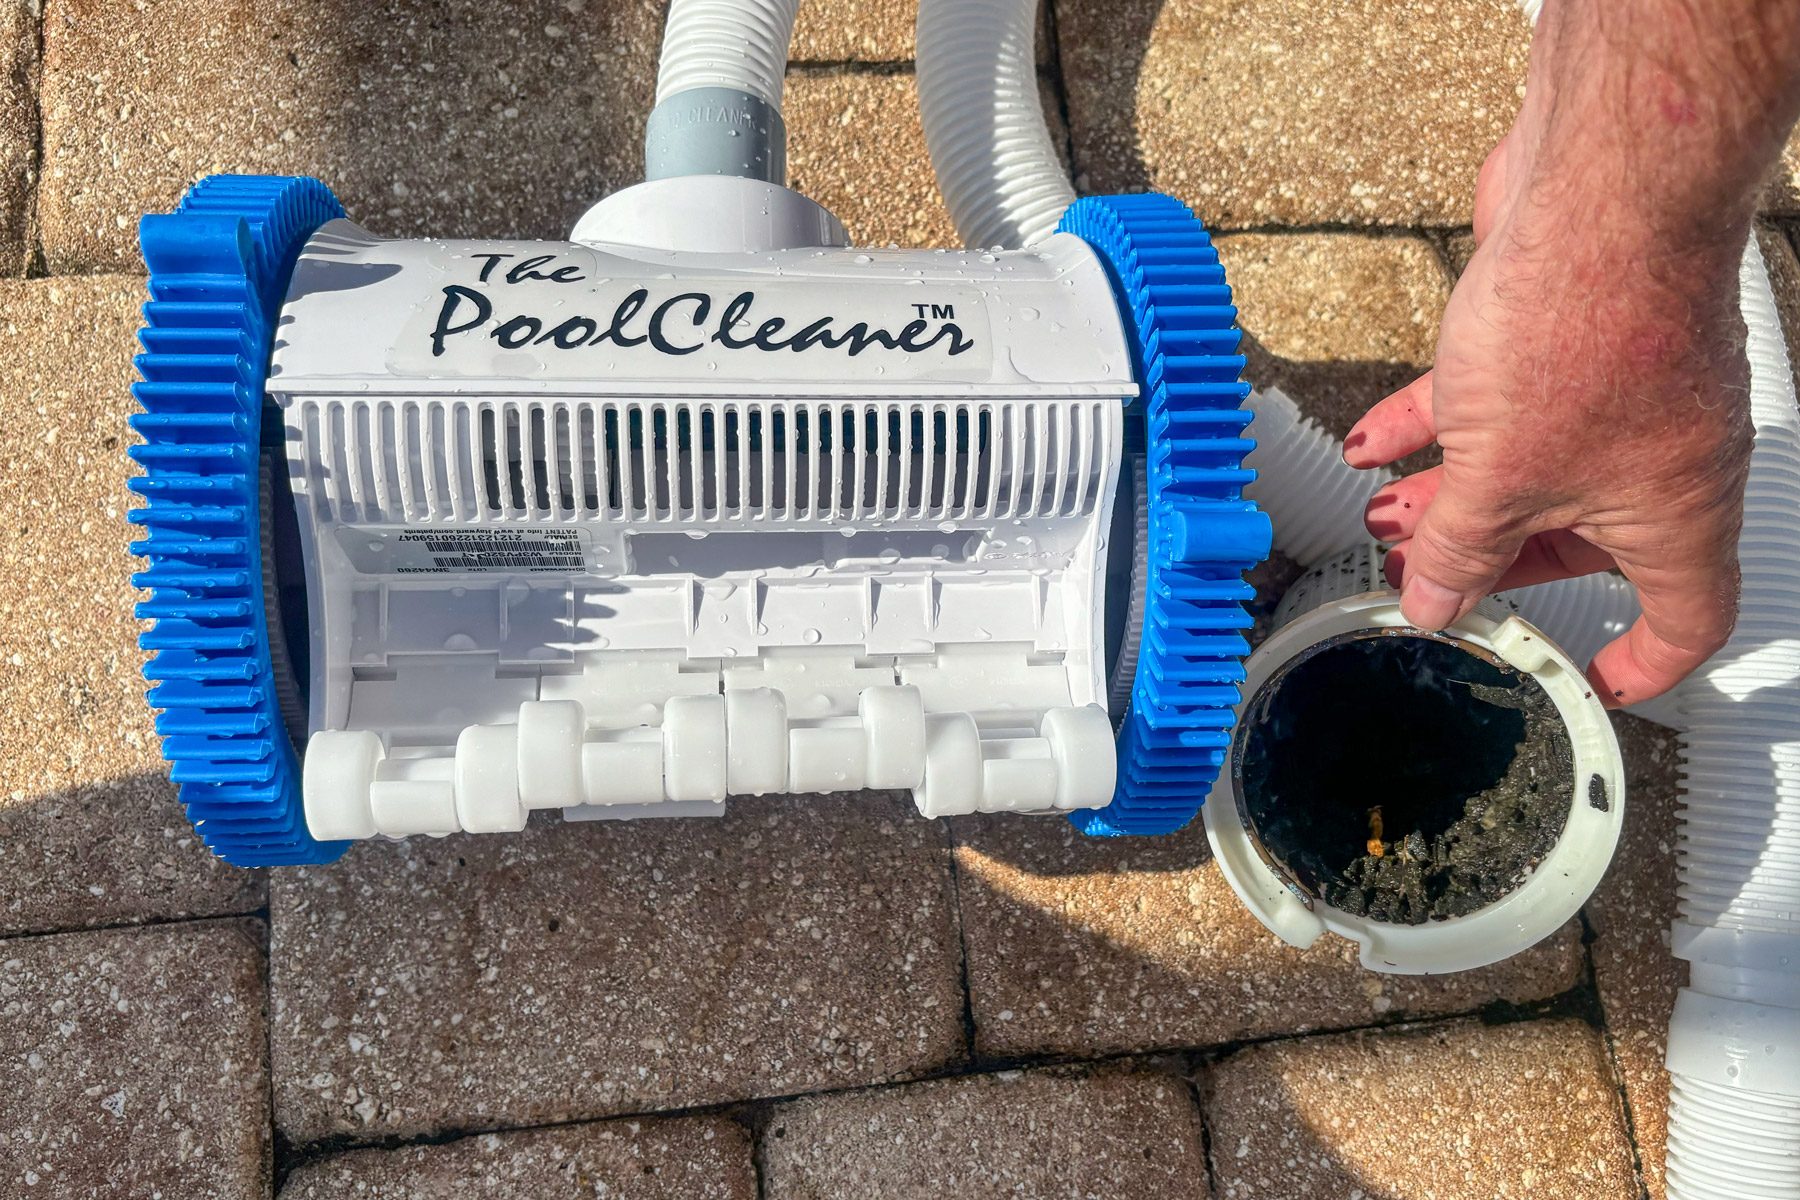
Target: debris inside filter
<point>1405,779</point>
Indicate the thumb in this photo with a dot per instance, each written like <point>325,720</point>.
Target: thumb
<point>1454,558</point>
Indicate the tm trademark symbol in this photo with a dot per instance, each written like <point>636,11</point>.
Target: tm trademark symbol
<point>936,312</point>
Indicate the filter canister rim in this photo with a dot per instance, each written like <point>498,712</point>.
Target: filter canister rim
<point>1555,889</point>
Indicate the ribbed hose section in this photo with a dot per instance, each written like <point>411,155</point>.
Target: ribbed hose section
<point>1740,848</point>
<point>984,125</point>
<point>1734,1113</point>
<point>1314,498</point>
<point>739,44</point>
<point>1727,1144</point>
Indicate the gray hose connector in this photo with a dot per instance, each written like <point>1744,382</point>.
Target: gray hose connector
<point>718,91</point>
<point>715,131</point>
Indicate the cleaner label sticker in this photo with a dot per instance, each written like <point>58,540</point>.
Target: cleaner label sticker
<point>560,316</point>
<point>438,551</point>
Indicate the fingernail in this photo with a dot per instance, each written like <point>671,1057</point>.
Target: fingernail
<point>1429,605</point>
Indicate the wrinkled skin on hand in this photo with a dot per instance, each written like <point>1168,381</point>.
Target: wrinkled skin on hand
<point>1590,396</point>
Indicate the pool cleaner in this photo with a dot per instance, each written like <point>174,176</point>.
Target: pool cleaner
<point>703,501</point>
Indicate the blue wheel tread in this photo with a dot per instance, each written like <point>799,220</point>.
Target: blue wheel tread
<point>1203,534</point>
<point>218,270</point>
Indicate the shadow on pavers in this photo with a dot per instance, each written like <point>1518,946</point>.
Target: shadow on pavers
<point>111,852</point>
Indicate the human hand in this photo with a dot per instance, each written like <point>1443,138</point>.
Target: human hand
<point>1590,396</point>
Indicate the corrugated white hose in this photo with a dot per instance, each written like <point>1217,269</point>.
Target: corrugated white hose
<point>1734,1041</point>
<point>737,44</point>
<point>1734,1044</point>
<point>1314,499</point>
<point>984,125</point>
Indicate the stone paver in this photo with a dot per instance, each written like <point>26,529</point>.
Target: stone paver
<point>864,31</point>
<point>1783,195</point>
<point>868,31</point>
<point>132,1063</point>
<point>460,127</point>
<point>693,1158</point>
<point>1457,247</point>
<point>882,187</point>
<point>467,118</point>
<point>18,130</point>
<point>1335,320</point>
<point>90,831</point>
<point>1630,915</point>
<point>588,969</point>
<point>1261,112</point>
<point>1085,946</point>
<point>580,972</point>
<point>1032,1133</point>
<point>1459,1111</point>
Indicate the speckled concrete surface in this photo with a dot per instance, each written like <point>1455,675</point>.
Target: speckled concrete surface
<point>454,121</point>
<point>588,969</point>
<point>1288,112</point>
<point>880,187</point>
<point>1336,321</point>
<point>90,832</point>
<point>466,118</point>
<point>18,130</point>
<point>1017,1133</point>
<point>1077,945</point>
<point>862,31</point>
<point>1458,1111</point>
<point>692,1158</point>
<point>132,1063</point>
<point>768,963</point>
<point>1457,246</point>
<point>867,31</point>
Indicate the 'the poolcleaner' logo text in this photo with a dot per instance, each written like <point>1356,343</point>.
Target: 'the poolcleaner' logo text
<point>675,325</point>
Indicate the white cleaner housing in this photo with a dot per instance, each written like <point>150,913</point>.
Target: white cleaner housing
<point>618,531</point>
